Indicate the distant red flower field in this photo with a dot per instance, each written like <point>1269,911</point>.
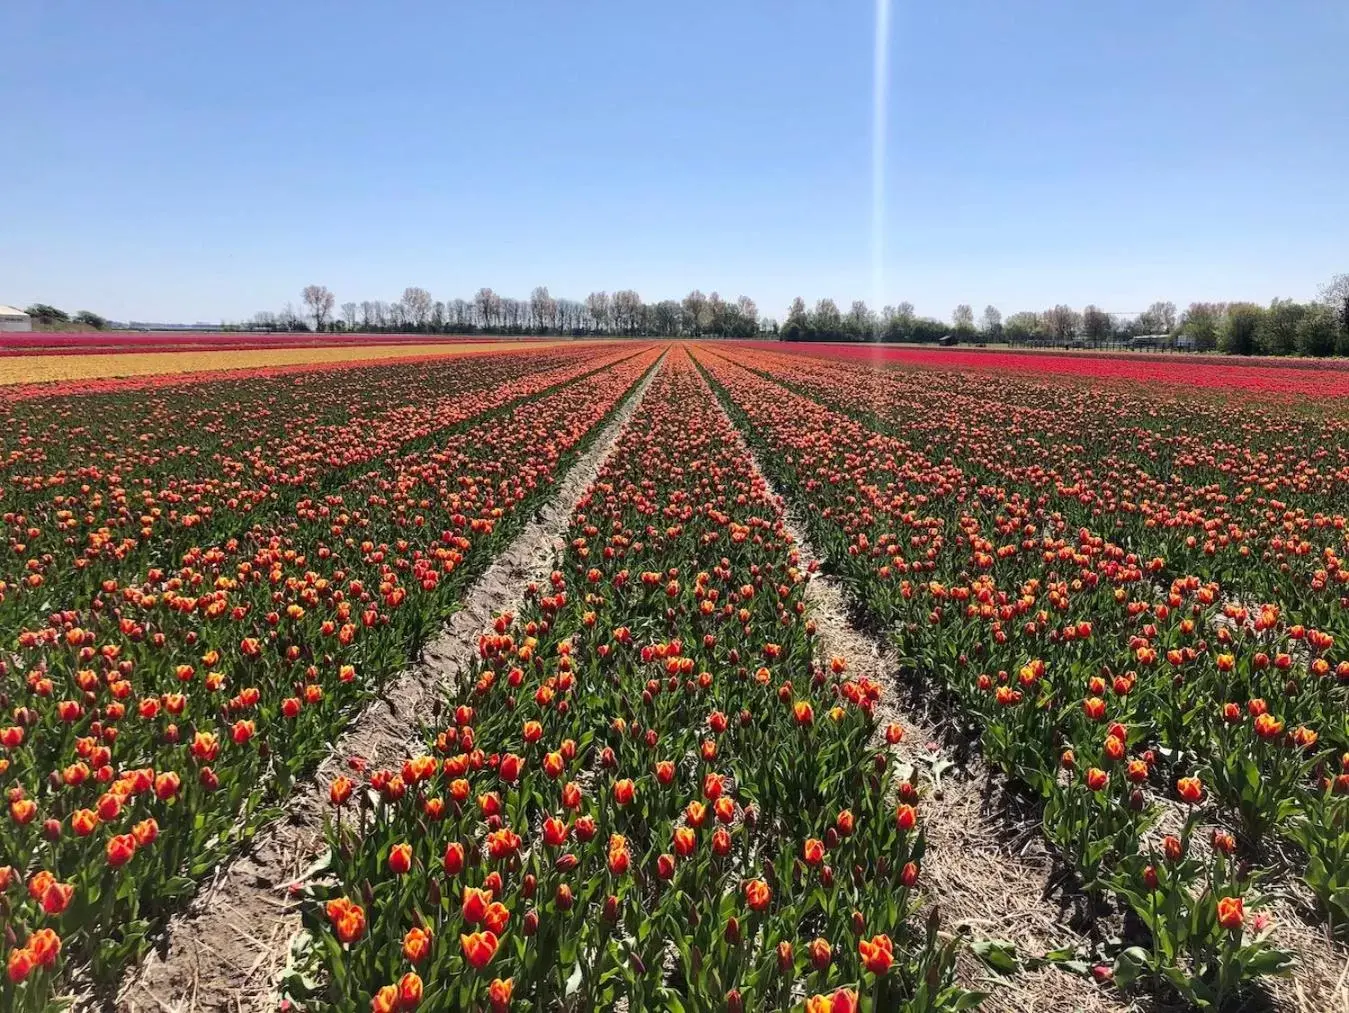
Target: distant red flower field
<point>1300,378</point>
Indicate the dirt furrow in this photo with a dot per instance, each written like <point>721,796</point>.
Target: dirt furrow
<point>229,950</point>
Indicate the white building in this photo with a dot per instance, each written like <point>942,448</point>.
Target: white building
<point>12,319</point>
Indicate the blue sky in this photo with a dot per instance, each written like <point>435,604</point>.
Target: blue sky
<point>193,161</point>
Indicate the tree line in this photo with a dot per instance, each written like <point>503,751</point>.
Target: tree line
<point>46,315</point>
<point>1284,327</point>
<point>621,313</point>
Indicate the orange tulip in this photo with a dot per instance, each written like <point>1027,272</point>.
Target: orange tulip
<point>45,946</point>
<point>475,902</point>
<point>495,917</point>
<point>479,948</point>
<point>757,894</point>
<point>499,994</point>
<point>409,991</point>
<point>877,953</point>
<point>1230,912</point>
<point>120,849</point>
<point>347,918</point>
<point>19,965</point>
<point>417,945</point>
<point>400,859</point>
<point>385,1000</point>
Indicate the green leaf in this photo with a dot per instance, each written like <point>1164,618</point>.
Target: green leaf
<point>998,954</point>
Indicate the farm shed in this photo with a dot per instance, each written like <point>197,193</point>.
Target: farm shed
<point>12,319</point>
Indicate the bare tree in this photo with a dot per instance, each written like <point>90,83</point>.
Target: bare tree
<point>861,321</point>
<point>1096,324</point>
<point>289,318</point>
<point>716,314</point>
<point>992,320</point>
<point>627,310</point>
<point>1335,294</point>
<point>349,315</point>
<point>904,312</point>
<point>320,302</point>
<point>1160,317</point>
<point>417,306</point>
<point>597,305</point>
<point>749,315</point>
<point>488,306</point>
<point>963,317</point>
<point>543,308</point>
<point>367,314</point>
<point>695,310</point>
<point>1062,323</point>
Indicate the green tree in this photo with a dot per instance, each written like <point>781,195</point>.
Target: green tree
<point>1277,334</point>
<point>91,319</point>
<point>1317,331</point>
<point>1201,323</point>
<point>45,314</point>
<point>797,325</point>
<point>826,321</point>
<point>1022,326</point>
<point>1239,330</point>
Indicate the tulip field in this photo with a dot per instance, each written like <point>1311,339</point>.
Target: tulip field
<point>1122,599</point>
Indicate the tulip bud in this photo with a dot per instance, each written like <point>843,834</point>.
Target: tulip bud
<point>827,876</point>
<point>1136,800</point>
<point>530,923</point>
<point>611,909</point>
<point>51,830</point>
<point>734,1004</point>
<point>858,923</point>
<point>527,887</point>
<point>831,839</point>
<point>732,932</point>
<point>933,921</point>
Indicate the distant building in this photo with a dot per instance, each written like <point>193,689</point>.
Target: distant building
<point>14,320</point>
<point>1149,341</point>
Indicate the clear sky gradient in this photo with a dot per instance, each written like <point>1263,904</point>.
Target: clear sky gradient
<point>196,161</point>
